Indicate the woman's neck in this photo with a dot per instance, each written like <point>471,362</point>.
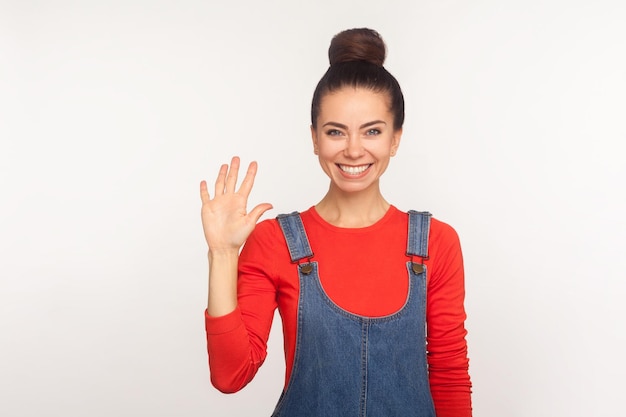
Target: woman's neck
<point>352,210</point>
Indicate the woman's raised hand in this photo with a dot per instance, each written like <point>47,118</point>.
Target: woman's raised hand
<point>225,219</point>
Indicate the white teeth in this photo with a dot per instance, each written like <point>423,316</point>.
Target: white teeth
<point>353,170</point>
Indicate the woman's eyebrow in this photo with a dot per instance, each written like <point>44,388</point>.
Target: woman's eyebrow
<point>375,122</point>
<point>363,126</point>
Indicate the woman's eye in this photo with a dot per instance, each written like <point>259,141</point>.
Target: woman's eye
<point>333,132</point>
<point>373,132</point>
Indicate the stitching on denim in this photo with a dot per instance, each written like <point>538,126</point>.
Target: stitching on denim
<point>295,236</point>
<point>405,309</point>
<point>418,228</point>
<point>296,355</point>
<point>364,362</point>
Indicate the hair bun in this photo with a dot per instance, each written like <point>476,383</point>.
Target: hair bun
<point>357,45</point>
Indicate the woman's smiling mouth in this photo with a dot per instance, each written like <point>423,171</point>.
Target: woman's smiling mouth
<point>354,170</point>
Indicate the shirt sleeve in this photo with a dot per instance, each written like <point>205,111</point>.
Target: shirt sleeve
<point>237,342</point>
<point>447,348</point>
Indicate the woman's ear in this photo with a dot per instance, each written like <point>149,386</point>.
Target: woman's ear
<point>395,141</point>
<point>314,139</point>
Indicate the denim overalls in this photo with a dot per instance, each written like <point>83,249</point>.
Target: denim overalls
<point>348,365</point>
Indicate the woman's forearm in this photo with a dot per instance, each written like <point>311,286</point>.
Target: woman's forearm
<point>222,298</point>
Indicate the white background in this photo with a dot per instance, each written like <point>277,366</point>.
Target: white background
<point>112,112</point>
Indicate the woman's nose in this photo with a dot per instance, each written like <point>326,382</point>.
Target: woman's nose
<point>354,147</point>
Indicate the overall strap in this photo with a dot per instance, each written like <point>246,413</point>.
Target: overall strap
<point>419,228</point>
<point>295,235</point>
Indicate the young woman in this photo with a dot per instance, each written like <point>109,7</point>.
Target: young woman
<point>371,298</point>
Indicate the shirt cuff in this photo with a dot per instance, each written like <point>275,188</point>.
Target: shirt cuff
<point>222,324</point>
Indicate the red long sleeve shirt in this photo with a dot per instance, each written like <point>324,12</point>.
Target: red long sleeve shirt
<point>363,270</point>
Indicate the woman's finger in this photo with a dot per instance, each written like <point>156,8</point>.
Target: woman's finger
<point>231,178</point>
<point>258,211</point>
<point>248,181</point>
<point>221,180</point>
<point>204,193</point>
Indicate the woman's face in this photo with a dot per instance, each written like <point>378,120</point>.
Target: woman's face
<point>354,137</point>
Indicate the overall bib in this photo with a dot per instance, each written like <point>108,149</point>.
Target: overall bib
<point>347,365</point>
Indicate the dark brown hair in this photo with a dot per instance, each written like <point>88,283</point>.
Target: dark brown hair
<point>356,60</point>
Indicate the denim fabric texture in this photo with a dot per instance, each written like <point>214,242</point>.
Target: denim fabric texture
<point>349,365</point>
